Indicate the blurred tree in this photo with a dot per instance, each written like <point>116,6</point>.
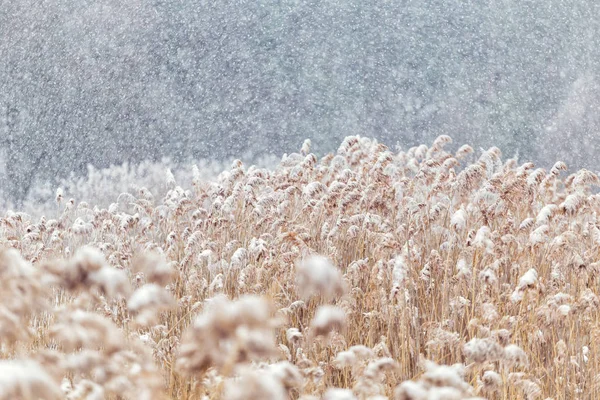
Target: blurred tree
<point>106,81</point>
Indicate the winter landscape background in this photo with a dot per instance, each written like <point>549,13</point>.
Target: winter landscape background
<point>299,200</point>
<point>110,82</point>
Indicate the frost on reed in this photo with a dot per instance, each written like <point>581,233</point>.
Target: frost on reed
<point>437,382</point>
<point>26,379</point>
<point>316,275</point>
<point>367,274</point>
<point>328,319</point>
<point>228,333</point>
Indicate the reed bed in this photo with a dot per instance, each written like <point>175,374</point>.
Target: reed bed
<point>366,274</point>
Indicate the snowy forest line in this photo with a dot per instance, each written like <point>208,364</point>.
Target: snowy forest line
<point>106,82</point>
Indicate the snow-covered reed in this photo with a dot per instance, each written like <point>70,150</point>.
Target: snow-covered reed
<point>365,274</point>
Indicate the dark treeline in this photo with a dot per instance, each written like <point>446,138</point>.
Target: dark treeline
<point>107,81</point>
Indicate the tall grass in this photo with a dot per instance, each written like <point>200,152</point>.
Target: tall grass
<point>368,274</point>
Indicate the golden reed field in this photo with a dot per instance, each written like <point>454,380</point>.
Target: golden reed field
<point>368,274</point>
